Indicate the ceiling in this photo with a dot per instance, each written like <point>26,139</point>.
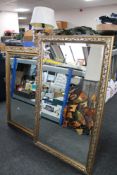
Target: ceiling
<point>57,5</point>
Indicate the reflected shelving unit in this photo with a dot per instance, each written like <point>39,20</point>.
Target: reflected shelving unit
<point>52,107</point>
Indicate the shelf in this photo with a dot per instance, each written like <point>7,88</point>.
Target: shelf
<point>64,70</point>
<point>68,71</point>
<point>80,71</point>
<point>106,27</point>
<point>24,61</point>
<point>49,116</point>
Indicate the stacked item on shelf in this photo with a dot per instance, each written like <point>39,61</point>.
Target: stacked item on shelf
<point>107,25</point>
<point>112,19</point>
<point>83,30</point>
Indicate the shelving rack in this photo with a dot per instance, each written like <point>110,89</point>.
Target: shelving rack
<point>69,72</point>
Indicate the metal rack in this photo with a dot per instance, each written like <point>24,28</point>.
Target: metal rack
<point>69,72</point>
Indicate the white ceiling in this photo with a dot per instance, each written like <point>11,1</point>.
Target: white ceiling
<point>57,5</point>
<point>10,5</point>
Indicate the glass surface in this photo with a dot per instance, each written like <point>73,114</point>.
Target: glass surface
<point>69,97</point>
<point>22,91</point>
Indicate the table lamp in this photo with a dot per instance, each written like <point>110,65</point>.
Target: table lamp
<point>43,18</point>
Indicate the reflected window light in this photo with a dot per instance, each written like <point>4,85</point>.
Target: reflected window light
<point>73,53</point>
<point>67,54</point>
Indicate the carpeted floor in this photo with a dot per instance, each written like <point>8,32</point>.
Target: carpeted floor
<point>65,140</point>
<point>19,156</point>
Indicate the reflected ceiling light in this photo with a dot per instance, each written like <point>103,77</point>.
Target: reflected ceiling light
<point>22,10</point>
<point>22,18</point>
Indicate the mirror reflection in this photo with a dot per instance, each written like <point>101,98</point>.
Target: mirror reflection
<point>70,81</point>
<point>22,90</point>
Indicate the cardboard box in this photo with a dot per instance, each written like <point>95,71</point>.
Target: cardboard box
<point>2,47</point>
<point>28,35</point>
<point>62,24</point>
<point>106,27</point>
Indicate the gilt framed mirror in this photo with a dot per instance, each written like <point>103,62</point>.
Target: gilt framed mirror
<point>73,89</point>
<point>21,73</point>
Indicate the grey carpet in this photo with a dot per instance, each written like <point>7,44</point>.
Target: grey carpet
<point>65,140</point>
<point>18,155</point>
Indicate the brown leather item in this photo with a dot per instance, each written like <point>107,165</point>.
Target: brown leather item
<point>72,108</point>
<point>89,112</point>
<point>82,97</point>
<point>76,124</point>
<point>65,124</point>
<point>69,115</point>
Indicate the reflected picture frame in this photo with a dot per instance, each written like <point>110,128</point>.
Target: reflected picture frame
<point>107,41</point>
<point>12,51</point>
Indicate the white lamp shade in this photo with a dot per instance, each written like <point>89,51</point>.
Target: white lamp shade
<point>43,15</point>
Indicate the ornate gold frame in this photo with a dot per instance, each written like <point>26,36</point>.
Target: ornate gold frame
<point>10,52</point>
<point>108,42</point>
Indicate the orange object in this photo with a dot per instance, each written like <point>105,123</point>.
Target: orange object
<point>48,31</point>
<point>62,24</point>
<point>28,35</point>
<point>82,97</point>
<point>2,47</point>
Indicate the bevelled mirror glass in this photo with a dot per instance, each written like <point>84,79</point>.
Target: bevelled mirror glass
<point>21,70</point>
<point>73,86</point>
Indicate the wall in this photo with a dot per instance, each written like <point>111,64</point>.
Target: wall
<point>85,18</point>
<point>8,21</point>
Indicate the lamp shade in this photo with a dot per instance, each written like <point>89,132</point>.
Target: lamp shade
<point>43,16</point>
